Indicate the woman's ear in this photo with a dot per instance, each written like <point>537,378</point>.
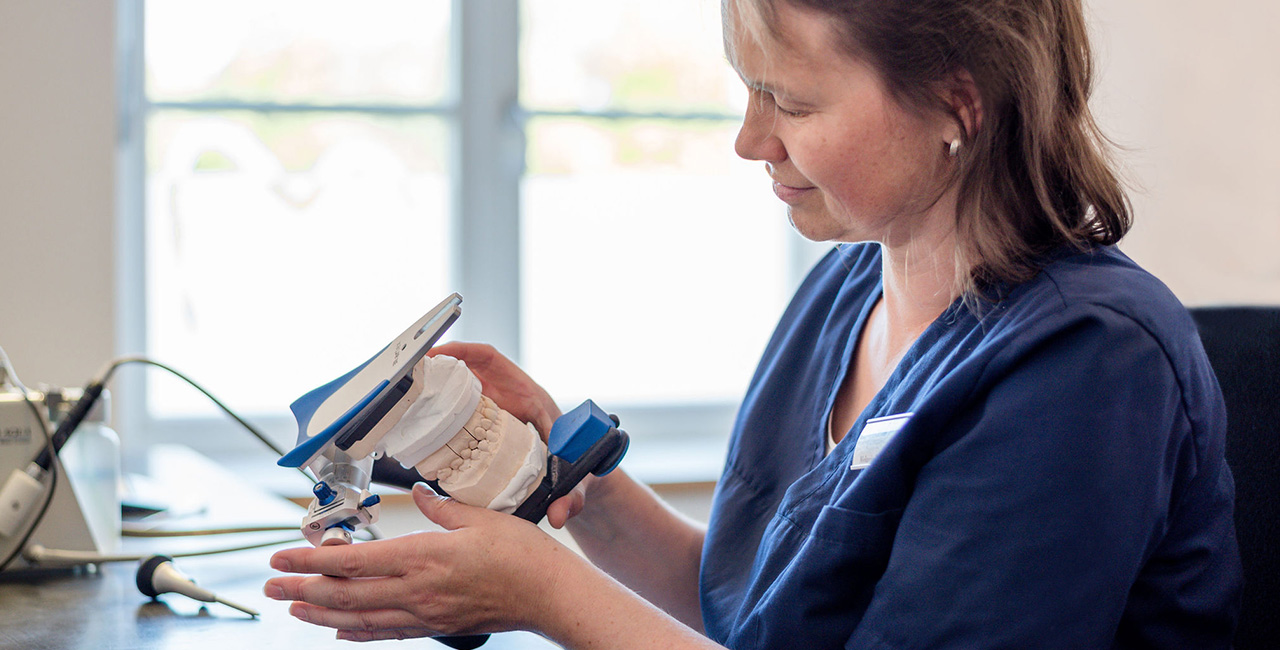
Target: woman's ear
<point>961,95</point>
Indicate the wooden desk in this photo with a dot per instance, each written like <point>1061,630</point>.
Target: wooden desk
<point>103,609</point>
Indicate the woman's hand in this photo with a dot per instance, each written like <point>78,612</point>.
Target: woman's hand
<point>516,393</point>
<point>486,572</point>
<point>505,383</point>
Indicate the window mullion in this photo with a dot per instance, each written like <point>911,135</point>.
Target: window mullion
<point>488,152</point>
<point>130,245</point>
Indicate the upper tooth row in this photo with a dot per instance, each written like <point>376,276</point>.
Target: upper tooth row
<point>484,428</point>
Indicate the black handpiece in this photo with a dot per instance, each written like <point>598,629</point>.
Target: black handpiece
<point>68,426</point>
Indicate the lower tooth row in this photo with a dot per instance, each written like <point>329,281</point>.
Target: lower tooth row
<point>481,440</point>
<point>470,458</point>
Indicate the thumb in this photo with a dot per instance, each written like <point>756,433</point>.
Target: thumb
<point>566,508</point>
<point>447,513</point>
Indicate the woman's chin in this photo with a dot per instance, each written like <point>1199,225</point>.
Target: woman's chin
<point>815,226</point>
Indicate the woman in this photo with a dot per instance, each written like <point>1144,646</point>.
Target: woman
<point>980,425</point>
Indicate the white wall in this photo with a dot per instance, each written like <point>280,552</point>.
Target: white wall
<point>1193,93</point>
<point>57,194</point>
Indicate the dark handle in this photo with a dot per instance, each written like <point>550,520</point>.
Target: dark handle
<point>463,642</point>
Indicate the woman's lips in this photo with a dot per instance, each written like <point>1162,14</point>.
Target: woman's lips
<point>790,194</point>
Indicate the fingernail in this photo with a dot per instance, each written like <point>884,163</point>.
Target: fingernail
<point>273,592</point>
<point>299,613</point>
<point>281,564</point>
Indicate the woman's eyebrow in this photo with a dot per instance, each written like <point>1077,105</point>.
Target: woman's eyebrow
<point>777,92</point>
<point>757,85</point>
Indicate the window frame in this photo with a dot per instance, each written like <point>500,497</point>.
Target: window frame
<point>487,162</point>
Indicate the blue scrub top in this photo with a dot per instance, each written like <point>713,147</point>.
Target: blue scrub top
<point>1060,481</point>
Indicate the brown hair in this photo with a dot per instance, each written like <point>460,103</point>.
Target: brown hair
<point>1036,174</point>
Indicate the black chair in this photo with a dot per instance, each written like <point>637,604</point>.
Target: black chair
<point>1243,344</point>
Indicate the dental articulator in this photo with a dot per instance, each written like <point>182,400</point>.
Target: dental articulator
<point>402,417</point>
<point>428,415</point>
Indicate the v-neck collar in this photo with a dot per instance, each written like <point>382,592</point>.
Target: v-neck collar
<point>846,361</point>
<point>903,366</point>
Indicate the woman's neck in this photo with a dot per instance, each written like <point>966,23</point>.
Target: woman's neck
<point>919,283</point>
<point>920,280</point>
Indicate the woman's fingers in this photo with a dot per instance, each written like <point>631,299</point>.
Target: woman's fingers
<point>380,558</point>
<point>381,635</point>
<point>339,593</point>
<point>489,571</point>
<point>449,514</point>
<point>485,361</point>
<point>475,355</point>
<point>566,507</point>
<point>505,383</point>
<point>368,620</point>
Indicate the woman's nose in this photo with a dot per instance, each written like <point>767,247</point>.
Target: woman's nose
<point>756,139</point>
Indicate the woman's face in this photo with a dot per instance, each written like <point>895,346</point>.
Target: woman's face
<point>850,162</point>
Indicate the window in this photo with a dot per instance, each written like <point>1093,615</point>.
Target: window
<point>314,178</point>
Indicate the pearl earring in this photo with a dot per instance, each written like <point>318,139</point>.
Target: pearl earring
<point>954,148</point>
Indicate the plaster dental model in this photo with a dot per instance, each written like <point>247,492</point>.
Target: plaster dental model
<point>443,427</point>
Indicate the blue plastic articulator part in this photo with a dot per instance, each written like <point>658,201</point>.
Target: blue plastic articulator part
<point>344,410</point>
<point>576,431</point>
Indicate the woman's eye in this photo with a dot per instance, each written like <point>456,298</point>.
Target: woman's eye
<point>790,113</point>
<point>765,98</point>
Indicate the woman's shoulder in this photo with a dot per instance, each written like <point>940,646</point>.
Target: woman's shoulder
<point>1101,295</point>
<point>1097,309</point>
<point>1100,291</point>
<point>1104,283</point>
<point>1105,276</point>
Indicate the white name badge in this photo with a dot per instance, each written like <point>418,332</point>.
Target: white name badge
<point>875,435</point>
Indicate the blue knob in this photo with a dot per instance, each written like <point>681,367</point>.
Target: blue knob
<point>370,502</point>
<point>324,493</point>
<point>573,433</point>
